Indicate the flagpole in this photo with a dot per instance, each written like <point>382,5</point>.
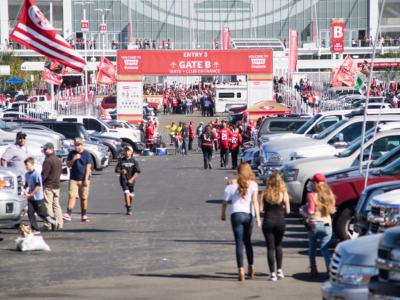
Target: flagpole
<point>368,88</point>
<point>51,85</point>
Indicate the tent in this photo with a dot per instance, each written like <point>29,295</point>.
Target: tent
<point>15,80</point>
<point>264,108</point>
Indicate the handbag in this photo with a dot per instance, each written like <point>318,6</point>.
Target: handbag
<point>307,224</point>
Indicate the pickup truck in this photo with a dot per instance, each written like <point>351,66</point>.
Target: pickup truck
<point>12,201</point>
<point>129,136</point>
<point>386,285</point>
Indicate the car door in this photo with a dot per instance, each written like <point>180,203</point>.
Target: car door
<point>324,123</point>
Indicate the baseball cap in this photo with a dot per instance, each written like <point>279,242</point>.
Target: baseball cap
<point>21,134</point>
<point>78,140</point>
<point>129,148</point>
<point>239,122</point>
<point>191,122</point>
<point>201,123</point>
<point>319,177</point>
<point>48,146</point>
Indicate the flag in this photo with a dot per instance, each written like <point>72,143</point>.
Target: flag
<point>103,78</point>
<point>107,67</point>
<point>349,66</point>
<point>53,66</point>
<point>35,32</point>
<point>341,76</point>
<point>51,77</point>
<point>361,86</point>
<point>105,115</point>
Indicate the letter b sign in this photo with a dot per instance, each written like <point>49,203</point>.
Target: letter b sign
<point>338,32</point>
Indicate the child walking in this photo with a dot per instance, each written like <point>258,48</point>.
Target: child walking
<point>35,195</point>
<point>129,169</point>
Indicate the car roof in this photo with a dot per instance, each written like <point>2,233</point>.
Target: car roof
<point>58,122</point>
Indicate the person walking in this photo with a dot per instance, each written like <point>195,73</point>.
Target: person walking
<point>199,131</point>
<point>80,162</point>
<point>34,194</point>
<point>236,142</point>
<point>243,191</point>
<point>225,136</point>
<point>275,202</point>
<point>15,155</point>
<point>320,205</point>
<point>185,139</point>
<point>207,138</point>
<point>129,169</point>
<point>191,135</point>
<point>51,172</point>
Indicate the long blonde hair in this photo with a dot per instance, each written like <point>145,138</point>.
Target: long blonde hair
<point>325,197</point>
<point>244,174</point>
<point>275,186</point>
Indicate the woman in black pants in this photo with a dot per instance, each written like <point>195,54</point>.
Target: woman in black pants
<point>207,139</point>
<point>275,202</point>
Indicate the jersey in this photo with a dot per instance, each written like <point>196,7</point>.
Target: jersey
<point>224,138</point>
<point>207,141</point>
<point>236,141</point>
<point>131,166</point>
<point>191,132</point>
<point>250,129</point>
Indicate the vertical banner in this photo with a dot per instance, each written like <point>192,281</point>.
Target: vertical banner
<point>259,88</point>
<point>337,35</point>
<point>226,38</point>
<point>293,51</point>
<point>130,98</point>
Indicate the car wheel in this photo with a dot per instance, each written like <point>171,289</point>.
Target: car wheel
<point>93,164</point>
<point>124,144</point>
<point>111,154</point>
<point>344,225</point>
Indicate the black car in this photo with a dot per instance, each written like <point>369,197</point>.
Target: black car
<point>386,285</point>
<point>234,118</point>
<point>113,144</point>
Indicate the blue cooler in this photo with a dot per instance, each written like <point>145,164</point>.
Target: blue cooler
<point>161,151</point>
<point>146,152</point>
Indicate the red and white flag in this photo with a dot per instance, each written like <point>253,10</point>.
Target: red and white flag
<point>35,32</point>
<point>51,77</point>
<point>105,115</point>
<point>107,67</point>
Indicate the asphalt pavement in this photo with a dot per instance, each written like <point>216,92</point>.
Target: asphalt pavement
<point>174,245</point>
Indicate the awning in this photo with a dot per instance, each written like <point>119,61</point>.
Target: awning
<point>15,80</point>
<point>267,108</point>
<point>39,65</point>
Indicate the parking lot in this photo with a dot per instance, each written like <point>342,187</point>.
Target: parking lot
<point>174,246</point>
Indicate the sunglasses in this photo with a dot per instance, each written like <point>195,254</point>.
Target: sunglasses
<point>22,138</point>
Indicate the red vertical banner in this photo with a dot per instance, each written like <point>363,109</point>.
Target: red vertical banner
<point>293,51</point>
<point>337,35</point>
<point>226,38</point>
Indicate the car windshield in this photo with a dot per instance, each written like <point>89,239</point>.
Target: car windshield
<point>385,159</point>
<point>330,129</point>
<point>104,123</point>
<point>391,170</point>
<point>305,127</point>
<point>354,147</point>
<point>3,125</point>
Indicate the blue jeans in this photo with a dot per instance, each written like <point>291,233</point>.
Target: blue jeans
<point>185,146</point>
<point>324,234</point>
<point>242,226</point>
<point>207,154</point>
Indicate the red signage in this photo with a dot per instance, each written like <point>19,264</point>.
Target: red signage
<point>213,62</point>
<point>84,25</point>
<point>338,35</point>
<point>293,51</point>
<point>381,64</point>
<point>226,38</point>
<point>103,27</point>
<point>267,107</point>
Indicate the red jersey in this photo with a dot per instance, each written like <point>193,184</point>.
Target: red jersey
<point>236,141</point>
<point>174,102</point>
<point>149,133</point>
<point>165,101</point>
<point>217,123</point>
<point>191,132</point>
<point>250,129</point>
<point>224,138</point>
<point>214,131</point>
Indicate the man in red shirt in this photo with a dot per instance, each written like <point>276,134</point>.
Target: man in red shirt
<point>165,103</point>
<point>224,139</point>
<point>217,122</point>
<point>236,142</point>
<point>250,129</point>
<point>191,134</point>
<point>174,104</point>
<point>150,135</point>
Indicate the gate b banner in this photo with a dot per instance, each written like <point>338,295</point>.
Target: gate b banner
<point>214,62</point>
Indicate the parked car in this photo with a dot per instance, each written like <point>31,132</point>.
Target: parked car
<point>237,109</point>
<point>252,157</point>
<point>12,200</point>
<point>280,125</point>
<point>235,118</point>
<point>349,189</point>
<point>100,153</point>
<point>109,102</point>
<point>361,102</point>
<point>386,284</point>
<point>385,211</point>
<point>114,144</point>
<point>129,136</point>
<point>352,266</point>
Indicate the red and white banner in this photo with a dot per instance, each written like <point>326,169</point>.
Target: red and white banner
<point>337,35</point>
<point>379,64</point>
<point>107,67</point>
<point>51,77</point>
<point>226,38</point>
<point>213,62</point>
<point>340,76</point>
<point>103,27</point>
<point>293,51</point>
<point>84,25</point>
<point>35,32</point>
<point>105,115</point>
<point>349,66</point>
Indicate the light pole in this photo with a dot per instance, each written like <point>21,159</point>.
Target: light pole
<point>103,22</point>
<point>84,38</point>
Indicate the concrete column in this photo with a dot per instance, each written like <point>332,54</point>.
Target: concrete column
<point>4,21</point>
<point>67,19</point>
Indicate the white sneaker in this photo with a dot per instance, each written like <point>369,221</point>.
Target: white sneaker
<point>280,274</point>
<point>272,278</point>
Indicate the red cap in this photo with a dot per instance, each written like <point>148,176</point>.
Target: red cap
<point>191,122</point>
<point>150,122</point>
<point>239,122</point>
<point>319,177</point>
<point>212,122</point>
<point>142,121</point>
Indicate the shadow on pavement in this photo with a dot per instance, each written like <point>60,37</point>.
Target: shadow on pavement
<point>306,277</point>
<point>230,277</point>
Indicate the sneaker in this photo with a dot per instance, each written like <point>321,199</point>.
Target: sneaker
<point>54,226</point>
<point>67,217</point>
<point>210,166</point>
<point>128,213</point>
<point>272,278</point>
<point>85,218</point>
<point>222,165</point>
<point>205,167</point>
<point>280,274</point>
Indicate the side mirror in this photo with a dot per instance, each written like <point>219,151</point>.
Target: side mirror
<point>103,129</point>
<point>340,145</point>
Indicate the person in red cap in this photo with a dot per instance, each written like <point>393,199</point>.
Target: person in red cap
<point>320,205</point>
<point>217,122</point>
<point>150,135</point>
<point>250,129</point>
<point>191,135</point>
